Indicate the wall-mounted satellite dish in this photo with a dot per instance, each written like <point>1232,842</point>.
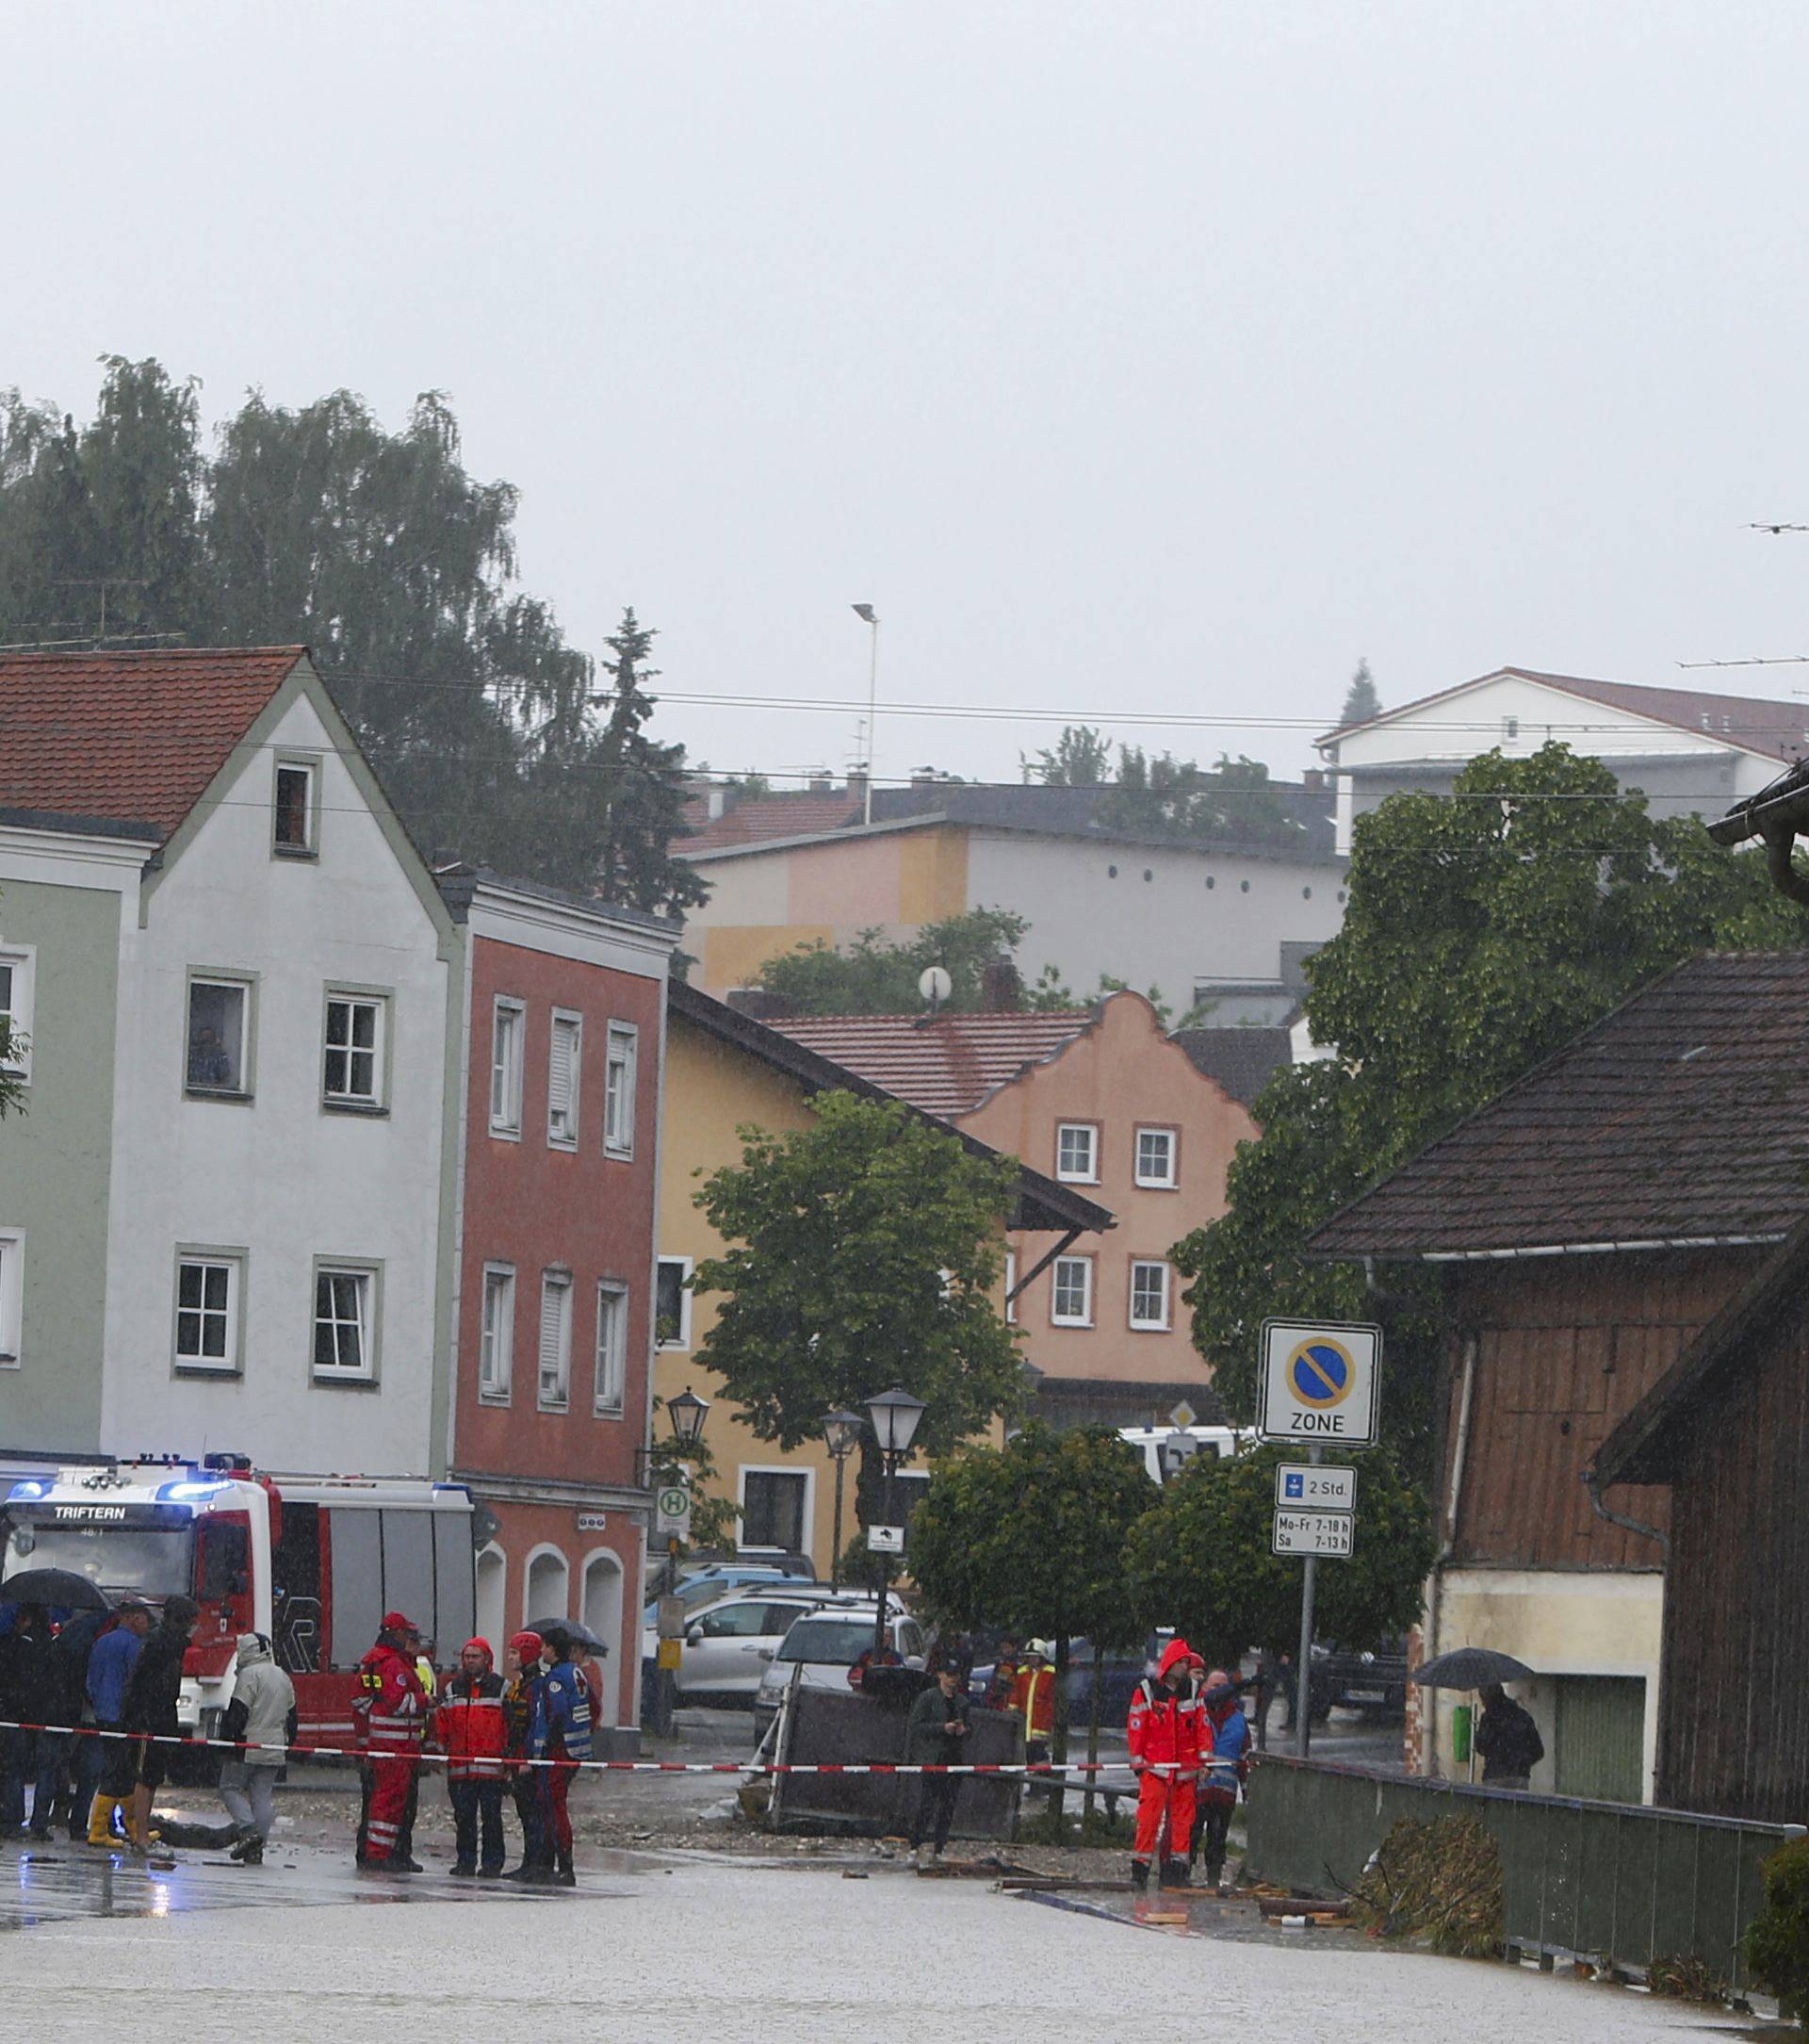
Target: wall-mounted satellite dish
<point>935,986</point>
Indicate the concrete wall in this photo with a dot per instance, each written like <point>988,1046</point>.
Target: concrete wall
<point>279,1178</point>
<point>1562,1622</point>
<point>63,898</point>
<point>1162,917</point>
<point>1122,1075</point>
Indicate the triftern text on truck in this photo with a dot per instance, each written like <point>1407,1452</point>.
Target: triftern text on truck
<point>314,1561</point>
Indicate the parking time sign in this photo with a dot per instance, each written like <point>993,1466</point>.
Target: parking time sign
<point>1319,1383</point>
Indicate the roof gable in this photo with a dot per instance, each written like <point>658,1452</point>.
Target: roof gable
<point>1761,725</point>
<point>132,737</point>
<point>1678,1119</point>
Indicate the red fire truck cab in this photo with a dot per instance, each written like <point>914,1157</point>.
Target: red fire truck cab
<point>314,1561</point>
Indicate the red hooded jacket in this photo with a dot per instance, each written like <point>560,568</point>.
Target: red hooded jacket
<point>470,1722</point>
<point>1167,1728</point>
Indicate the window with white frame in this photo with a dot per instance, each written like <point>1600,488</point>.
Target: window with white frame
<point>219,1014</point>
<point>293,824</point>
<point>1011,1285</point>
<point>563,1059</point>
<point>506,1027</point>
<point>13,1296</point>
<point>1072,1292</point>
<point>345,1323</point>
<point>556,1341</point>
<point>1156,1158</point>
<point>496,1334</point>
<point>1149,1295</point>
<point>618,1091</point>
<point>352,1076</point>
<point>611,1346</point>
<point>16,976</point>
<point>1077,1152</point>
<point>208,1306</point>
<point>672,1303</point>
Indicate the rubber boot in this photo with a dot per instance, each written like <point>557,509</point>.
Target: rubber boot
<point>99,1818</point>
<point>1174,1873</point>
<point>567,1875</point>
<point>1140,1873</point>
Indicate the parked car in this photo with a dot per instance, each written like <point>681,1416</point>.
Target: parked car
<point>1123,1671</point>
<point>822,1647</point>
<point>699,1590</point>
<point>1372,1681</point>
<point>728,1644</point>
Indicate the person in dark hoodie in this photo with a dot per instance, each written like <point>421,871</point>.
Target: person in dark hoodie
<point>1508,1741</point>
<point>31,1693</point>
<point>152,1698</point>
<point>934,1737</point>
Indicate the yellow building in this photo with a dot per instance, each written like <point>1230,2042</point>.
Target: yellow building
<point>722,1071</point>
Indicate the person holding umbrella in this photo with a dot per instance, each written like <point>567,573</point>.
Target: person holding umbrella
<point>1507,1740</point>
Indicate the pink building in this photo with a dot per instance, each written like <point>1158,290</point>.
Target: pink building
<point>1103,1101</point>
<point>565,1012</point>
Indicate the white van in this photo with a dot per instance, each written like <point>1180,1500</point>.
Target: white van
<point>1165,1449</point>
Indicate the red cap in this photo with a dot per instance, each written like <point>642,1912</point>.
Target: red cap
<point>483,1647</point>
<point>395,1622</point>
<point>527,1644</point>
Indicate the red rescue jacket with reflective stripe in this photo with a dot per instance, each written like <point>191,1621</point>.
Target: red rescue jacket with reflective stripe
<point>471,1727</point>
<point>1167,1728</point>
<point>398,1712</point>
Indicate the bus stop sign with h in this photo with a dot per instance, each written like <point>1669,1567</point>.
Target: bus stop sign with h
<point>1319,1385</point>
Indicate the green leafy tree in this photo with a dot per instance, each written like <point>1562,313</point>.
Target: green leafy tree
<point>1080,758</point>
<point>379,551</point>
<point>1199,1559</point>
<point>863,1254</point>
<point>714,1520</point>
<point>875,976</point>
<point>1484,930</point>
<point>1362,702</point>
<point>1031,1537</point>
<point>1166,797</point>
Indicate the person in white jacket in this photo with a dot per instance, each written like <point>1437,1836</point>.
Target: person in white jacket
<point>262,1715</point>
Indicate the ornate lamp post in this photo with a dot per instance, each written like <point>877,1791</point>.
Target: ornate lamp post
<point>895,1415</point>
<point>840,1431</point>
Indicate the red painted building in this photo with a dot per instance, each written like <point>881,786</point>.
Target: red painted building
<point>565,1011</point>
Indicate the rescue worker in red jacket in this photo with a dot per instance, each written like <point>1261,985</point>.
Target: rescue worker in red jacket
<point>394,1709</point>
<point>473,1735</point>
<point>1166,1741</point>
<point>1033,1698</point>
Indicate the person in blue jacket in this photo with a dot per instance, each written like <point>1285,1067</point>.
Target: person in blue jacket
<point>561,1737</point>
<point>1224,1773</point>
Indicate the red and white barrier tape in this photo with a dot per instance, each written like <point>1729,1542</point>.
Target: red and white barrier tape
<point>1036,1769</point>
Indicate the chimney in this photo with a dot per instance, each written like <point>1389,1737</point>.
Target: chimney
<point>924,780</point>
<point>1313,778</point>
<point>857,786</point>
<point>1000,989</point>
<point>819,784</point>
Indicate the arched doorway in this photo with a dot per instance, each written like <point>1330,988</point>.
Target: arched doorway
<point>546,1586</point>
<point>602,1614</point>
<point>492,1586</point>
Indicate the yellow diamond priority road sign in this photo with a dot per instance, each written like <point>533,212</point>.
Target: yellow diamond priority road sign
<point>1319,1383</point>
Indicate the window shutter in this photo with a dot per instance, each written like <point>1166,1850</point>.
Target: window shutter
<point>555,1304</point>
<point>561,1082</point>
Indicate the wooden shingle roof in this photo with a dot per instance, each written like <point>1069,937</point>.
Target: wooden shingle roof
<point>1681,1119</point>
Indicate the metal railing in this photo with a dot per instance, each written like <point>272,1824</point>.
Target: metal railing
<point>1620,1885</point>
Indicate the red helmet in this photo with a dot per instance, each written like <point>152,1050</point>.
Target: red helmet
<point>527,1644</point>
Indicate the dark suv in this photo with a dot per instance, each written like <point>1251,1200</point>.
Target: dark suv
<point>1372,1681</point>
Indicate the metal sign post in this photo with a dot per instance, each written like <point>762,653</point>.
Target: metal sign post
<point>1319,1384</point>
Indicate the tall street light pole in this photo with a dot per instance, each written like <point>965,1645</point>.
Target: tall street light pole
<point>870,616</point>
<point>841,1430</point>
<point>895,1415</point>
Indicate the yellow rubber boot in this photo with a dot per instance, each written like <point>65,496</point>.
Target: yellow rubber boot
<point>100,1820</point>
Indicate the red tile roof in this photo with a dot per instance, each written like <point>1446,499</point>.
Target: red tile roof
<point>776,816</point>
<point>1683,1117</point>
<point>946,1065</point>
<point>1758,723</point>
<point>133,737</point>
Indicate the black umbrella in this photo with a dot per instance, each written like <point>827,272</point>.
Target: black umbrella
<point>61,1587</point>
<point>1470,1667</point>
<point>579,1635</point>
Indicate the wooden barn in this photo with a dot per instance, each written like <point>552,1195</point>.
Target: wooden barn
<point>1588,1225</point>
<point>1726,1430</point>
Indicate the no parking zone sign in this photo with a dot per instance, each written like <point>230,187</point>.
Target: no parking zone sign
<point>1319,1383</point>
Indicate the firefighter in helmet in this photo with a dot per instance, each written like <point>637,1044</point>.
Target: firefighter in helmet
<point>393,1708</point>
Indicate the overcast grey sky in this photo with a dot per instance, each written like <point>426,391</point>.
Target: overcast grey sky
<point>1128,357</point>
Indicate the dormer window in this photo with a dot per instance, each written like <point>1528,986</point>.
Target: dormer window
<point>293,831</point>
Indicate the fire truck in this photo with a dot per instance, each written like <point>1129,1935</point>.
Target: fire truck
<point>313,1561</point>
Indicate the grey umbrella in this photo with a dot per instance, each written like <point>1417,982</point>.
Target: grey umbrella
<point>579,1635</point>
<point>1470,1667</point>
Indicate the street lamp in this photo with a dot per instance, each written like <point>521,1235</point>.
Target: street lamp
<point>688,1413</point>
<point>868,615</point>
<point>840,1431</point>
<point>895,1415</point>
